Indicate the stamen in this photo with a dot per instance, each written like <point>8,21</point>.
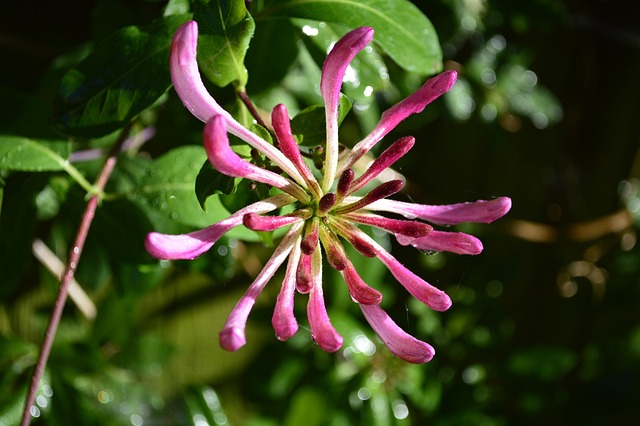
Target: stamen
<point>390,155</point>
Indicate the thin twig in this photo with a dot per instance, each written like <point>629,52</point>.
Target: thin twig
<point>252,109</point>
<point>72,266</point>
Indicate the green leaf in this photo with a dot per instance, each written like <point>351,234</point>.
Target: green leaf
<point>210,182</point>
<point>273,51</point>
<point>166,193</point>
<point>125,74</point>
<point>225,30</point>
<point>402,30</point>
<point>30,155</point>
<point>310,124</point>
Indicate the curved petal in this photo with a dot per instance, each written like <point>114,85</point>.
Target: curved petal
<point>192,245</point>
<point>390,155</point>
<point>333,71</point>
<point>413,104</point>
<point>226,161</point>
<point>256,222</point>
<point>431,296</point>
<point>232,336</point>
<point>303,274</point>
<point>381,191</point>
<point>336,256</point>
<point>289,147</point>
<point>360,291</point>
<point>481,211</point>
<point>322,331</point>
<point>194,95</point>
<point>409,228</point>
<point>399,342</point>
<point>283,320</point>
<point>453,242</point>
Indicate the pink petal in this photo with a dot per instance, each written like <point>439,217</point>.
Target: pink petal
<point>399,342</point>
<point>232,336</point>
<point>333,71</point>
<point>186,76</point>
<point>283,320</point>
<point>358,239</point>
<point>189,246</point>
<point>303,274</point>
<point>390,155</point>
<point>311,234</point>
<point>413,104</point>
<point>226,161</point>
<point>336,256</point>
<point>256,222</point>
<point>289,146</point>
<point>383,190</point>
<point>195,97</point>
<point>413,229</point>
<point>360,291</point>
<point>344,184</point>
<point>453,242</point>
<point>327,202</point>
<point>322,331</point>
<point>481,211</point>
<point>431,296</point>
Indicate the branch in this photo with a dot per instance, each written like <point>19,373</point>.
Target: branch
<point>67,277</point>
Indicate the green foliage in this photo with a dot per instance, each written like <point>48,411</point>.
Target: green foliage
<point>225,30</point>
<point>403,32</point>
<point>24,154</point>
<point>309,125</point>
<point>126,73</point>
<point>210,182</point>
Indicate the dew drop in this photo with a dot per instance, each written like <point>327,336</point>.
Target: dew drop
<point>35,411</point>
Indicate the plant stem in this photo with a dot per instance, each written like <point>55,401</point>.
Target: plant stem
<point>252,109</point>
<point>67,277</point>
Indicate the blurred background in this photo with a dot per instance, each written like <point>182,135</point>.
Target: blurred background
<point>545,326</point>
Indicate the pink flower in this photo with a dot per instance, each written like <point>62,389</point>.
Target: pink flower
<point>328,210</point>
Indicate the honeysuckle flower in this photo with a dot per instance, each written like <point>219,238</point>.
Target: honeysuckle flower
<point>328,207</point>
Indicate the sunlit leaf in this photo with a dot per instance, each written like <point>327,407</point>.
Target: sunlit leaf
<point>24,154</point>
<point>225,30</point>
<point>402,30</point>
